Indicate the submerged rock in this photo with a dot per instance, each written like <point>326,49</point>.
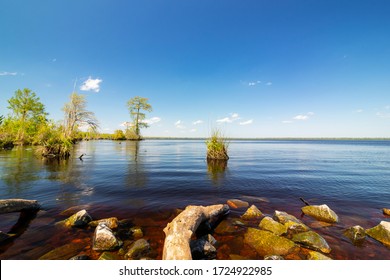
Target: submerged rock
<point>104,239</point>
<point>139,249</point>
<point>266,243</point>
<point>252,213</point>
<point>108,256</point>
<point>79,258</point>
<point>202,249</point>
<point>229,226</point>
<point>136,232</point>
<point>3,236</point>
<point>64,252</point>
<point>313,255</point>
<point>321,213</point>
<point>356,234</point>
<point>112,222</point>
<point>273,226</point>
<point>273,258</point>
<point>386,211</point>
<point>312,240</point>
<point>381,232</point>
<point>80,219</point>
<point>236,203</point>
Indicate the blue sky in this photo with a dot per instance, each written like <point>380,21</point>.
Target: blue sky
<point>254,68</point>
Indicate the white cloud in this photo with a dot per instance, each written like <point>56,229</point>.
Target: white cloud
<point>246,122</point>
<point>193,130</point>
<point>269,84</point>
<point>152,120</point>
<point>179,124</point>
<point>359,111</point>
<point>301,117</point>
<point>287,121</point>
<point>8,73</point>
<point>126,124</point>
<point>233,117</point>
<point>197,122</point>
<point>91,85</point>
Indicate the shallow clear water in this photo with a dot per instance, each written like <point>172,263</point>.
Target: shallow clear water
<point>146,181</point>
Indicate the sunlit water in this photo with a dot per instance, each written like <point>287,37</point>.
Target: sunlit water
<point>147,181</point>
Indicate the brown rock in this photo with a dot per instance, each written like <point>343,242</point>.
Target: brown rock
<point>236,203</point>
<point>386,211</point>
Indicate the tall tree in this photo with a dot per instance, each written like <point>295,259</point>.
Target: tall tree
<point>28,112</point>
<point>136,105</point>
<point>77,115</point>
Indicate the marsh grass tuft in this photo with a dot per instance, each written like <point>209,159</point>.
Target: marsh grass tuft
<point>217,146</point>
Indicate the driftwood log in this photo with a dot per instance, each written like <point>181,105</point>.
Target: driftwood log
<point>17,205</point>
<point>178,233</point>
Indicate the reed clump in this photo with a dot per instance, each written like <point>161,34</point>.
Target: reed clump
<point>217,146</point>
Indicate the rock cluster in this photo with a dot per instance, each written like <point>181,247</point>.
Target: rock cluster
<point>105,241</point>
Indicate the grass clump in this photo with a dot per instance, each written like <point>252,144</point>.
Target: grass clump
<point>217,146</point>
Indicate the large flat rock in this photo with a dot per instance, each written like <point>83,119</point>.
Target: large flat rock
<point>266,243</point>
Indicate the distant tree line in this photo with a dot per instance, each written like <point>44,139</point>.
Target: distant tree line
<point>28,124</point>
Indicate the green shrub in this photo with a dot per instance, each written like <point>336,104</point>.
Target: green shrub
<point>217,146</point>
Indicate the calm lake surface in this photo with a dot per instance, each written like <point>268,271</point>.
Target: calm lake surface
<point>146,182</point>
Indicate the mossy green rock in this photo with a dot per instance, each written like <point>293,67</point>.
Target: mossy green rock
<point>273,226</point>
<point>80,219</point>
<point>313,255</point>
<point>112,222</point>
<point>252,213</point>
<point>292,224</point>
<point>356,234</point>
<point>380,232</point>
<point>321,213</point>
<point>64,252</point>
<point>108,256</point>
<point>138,250</point>
<point>283,217</point>
<point>312,240</point>
<point>136,232</point>
<point>267,243</point>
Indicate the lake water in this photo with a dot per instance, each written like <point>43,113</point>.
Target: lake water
<point>146,182</point>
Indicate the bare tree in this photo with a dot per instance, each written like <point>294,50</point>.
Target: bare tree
<point>77,115</point>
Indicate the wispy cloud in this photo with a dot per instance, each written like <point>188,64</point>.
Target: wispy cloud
<point>254,83</point>
<point>300,117</point>
<point>54,60</point>
<point>385,113</point>
<point>359,111</point>
<point>269,84</point>
<point>246,122</point>
<point>152,120</point>
<point>193,130</point>
<point>91,85</point>
<point>180,125</point>
<point>126,124</point>
<point>303,117</point>
<point>233,117</point>
<point>197,122</point>
<point>8,73</point>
